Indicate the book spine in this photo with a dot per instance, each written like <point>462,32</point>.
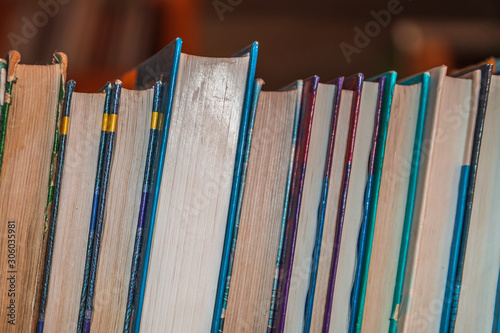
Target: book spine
<point>299,169</point>
<point>358,289</point>
<point>235,191</point>
<point>389,84</point>
<point>255,99</point>
<point>95,204</point>
<point>272,308</point>
<point>112,122</point>
<point>476,147</point>
<point>450,302</point>
<point>3,105</point>
<point>322,207</point>
<point>354,83</point>
<point>4,108</point>
<point>146,191</point>
<point>496,314</point>
<point>70,86</point>
<point>164,123</point>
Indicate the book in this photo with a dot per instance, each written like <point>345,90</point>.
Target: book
<point>355,84</point>
<point>90,273</point>
<point>475,309</point>
<point>303,268</point>
<point>157,119</point>
<point>395,202</point>
<point>209,141</point>
<point>162,66</point>
<point>337,146</point>
<point>26,181</point>
<point>358,201</point>
<point>123,204</point>
<point>318,241</point>
<point>84,149</point>
<point>63,137</point>
<point>448,129</point>
<point>277,322</point>
<point>3,106</point>
<point>369,217</point>
<point>258,229</point>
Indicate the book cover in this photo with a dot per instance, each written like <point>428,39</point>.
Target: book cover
<point>162,66</point>
<point>252,51</point>
<point>95,204</point>
<point>247,58</point>
<point>299,166</point>
<point>3,105</point>
<point>385,112</point>
<point>145,197</point>
<point>299,85</point>
<point>464,204</point>
<point>251,121</point>
<point>362,238</point>
<point>424,80</point>
<point>25,176</point>
<point>63,134</point>
<point>354,83</point>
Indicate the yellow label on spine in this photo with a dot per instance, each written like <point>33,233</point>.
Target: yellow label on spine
<point>161,119</point>
<point>154,120</point>
<point>112,122</point>
<point>64,125</point>
<point>105,122</point>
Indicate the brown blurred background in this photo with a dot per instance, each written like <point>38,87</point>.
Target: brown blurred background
<point>105,38</point>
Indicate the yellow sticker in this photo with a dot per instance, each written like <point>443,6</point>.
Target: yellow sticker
<point>65,125</point>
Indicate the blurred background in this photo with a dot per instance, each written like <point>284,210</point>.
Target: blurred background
<point>105,38</point>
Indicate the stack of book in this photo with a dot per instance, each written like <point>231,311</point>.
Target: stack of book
<point>184,198</point>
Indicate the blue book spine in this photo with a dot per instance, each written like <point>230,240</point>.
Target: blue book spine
<point>451,297</point>
<point>235,192</point>
<point>157,174</point>
<point>255,99</point>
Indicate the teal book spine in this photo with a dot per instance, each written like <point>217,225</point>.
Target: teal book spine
<point>169,59</point>
<point>255,100</point>
<point>424,79</point>
<point>252,51</point>
<point>63,135</point>
<point>385,112</point>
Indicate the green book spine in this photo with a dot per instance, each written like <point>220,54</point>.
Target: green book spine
<point>6,89</point>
